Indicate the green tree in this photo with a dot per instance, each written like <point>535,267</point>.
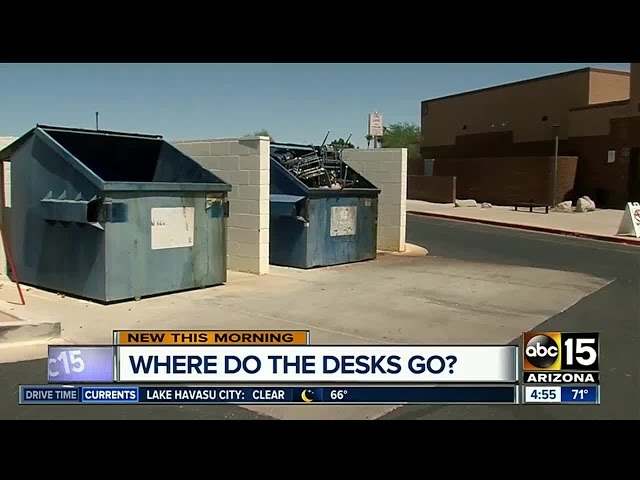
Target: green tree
<point>263,132</point>
<point>341,143</point>
<point>402,135</point>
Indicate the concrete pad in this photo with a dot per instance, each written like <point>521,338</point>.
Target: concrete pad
<point>324,412</point>
<point>393,299</point>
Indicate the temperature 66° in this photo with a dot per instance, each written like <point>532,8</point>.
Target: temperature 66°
<point>337,394</point>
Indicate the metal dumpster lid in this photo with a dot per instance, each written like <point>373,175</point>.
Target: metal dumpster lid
<point>91,176</point>
<point>284,198</point>
<point>8,150</point>
<point>97,132</point>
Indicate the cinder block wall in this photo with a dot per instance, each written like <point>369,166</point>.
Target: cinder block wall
<point>244,163</point>
<point>386,168</point>
<point>5,200</point>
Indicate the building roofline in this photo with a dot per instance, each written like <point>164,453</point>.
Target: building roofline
<point>614,103</point>
<point>531,80</point>
<point>610,71</point>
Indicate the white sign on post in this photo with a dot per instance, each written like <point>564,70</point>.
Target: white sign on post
<point>375,125</point>
<point>630,224</point>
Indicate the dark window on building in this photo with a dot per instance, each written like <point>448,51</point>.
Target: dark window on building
<point>545,118</point>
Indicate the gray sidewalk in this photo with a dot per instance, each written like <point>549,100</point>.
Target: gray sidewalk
<point>600,224</point>
<point>394,299</point>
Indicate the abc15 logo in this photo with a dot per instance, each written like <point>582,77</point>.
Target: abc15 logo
<point>556,351</point>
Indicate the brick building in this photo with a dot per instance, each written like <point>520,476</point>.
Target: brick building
<point>499,142</point>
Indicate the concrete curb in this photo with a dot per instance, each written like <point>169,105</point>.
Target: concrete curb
<point>410,250</point>
<point>555,231</point>
<point>31,350</point>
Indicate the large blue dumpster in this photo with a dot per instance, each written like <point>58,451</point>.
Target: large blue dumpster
<point>322,212</point>
<point>112,216</point>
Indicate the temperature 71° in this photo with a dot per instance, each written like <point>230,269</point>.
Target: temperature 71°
<point>579,393</point>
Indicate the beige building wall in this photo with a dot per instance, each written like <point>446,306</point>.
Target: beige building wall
<point>386,168</point>
<point>244,163</point>
<point>518,107</point>
<point>521,107</point>
<point>608,87</point>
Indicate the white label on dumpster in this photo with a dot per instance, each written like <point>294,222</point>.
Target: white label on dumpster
<point>172,227</point>
<point>343,221</point>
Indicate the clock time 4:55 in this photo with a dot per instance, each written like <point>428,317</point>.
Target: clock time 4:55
<point>542,394</point>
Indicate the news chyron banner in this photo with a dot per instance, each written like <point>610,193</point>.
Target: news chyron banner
<point>208,337</point>
<point>285,357</point>
<point>100,363</point>
<point>283,367</point>
<point>561,367</point>
<point>263,395</point>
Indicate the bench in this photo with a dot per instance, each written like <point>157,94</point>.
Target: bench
<point>531,206</point>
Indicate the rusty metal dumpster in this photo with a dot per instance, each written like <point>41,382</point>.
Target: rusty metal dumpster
<point>112,216</point>
<point>322,212</point>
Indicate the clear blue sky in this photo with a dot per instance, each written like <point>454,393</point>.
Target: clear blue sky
<point>295,102</point>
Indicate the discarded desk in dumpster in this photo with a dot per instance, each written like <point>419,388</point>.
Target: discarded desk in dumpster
<point>322,212</point>
<point>112,216</point>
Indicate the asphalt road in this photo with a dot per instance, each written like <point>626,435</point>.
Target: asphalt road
<point>614,311</point>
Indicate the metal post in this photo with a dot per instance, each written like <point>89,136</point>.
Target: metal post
<point>97,114</point>
<point>555,162</point>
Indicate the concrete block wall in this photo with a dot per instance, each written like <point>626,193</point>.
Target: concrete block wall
<point>6,197</point>
<point>386,168</point>
<point>5,142</point>
<point>244,163</point>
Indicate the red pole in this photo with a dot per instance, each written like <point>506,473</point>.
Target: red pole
<point>7,251</point>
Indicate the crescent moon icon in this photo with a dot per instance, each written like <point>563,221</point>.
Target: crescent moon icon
<point>305,398</point>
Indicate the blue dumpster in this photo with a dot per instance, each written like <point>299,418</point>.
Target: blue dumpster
<point>322,212</point>
<point>113,216</point>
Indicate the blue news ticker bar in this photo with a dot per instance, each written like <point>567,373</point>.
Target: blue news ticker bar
<point>50,394</point>
<point>580,394</point>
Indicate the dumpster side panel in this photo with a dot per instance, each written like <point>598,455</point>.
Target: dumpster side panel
<point>282,182</point>
<point>65,257</point>
<point>288,235</point>
<point>166,242</point>
<point>341,230</point>
<point>288,239</point>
